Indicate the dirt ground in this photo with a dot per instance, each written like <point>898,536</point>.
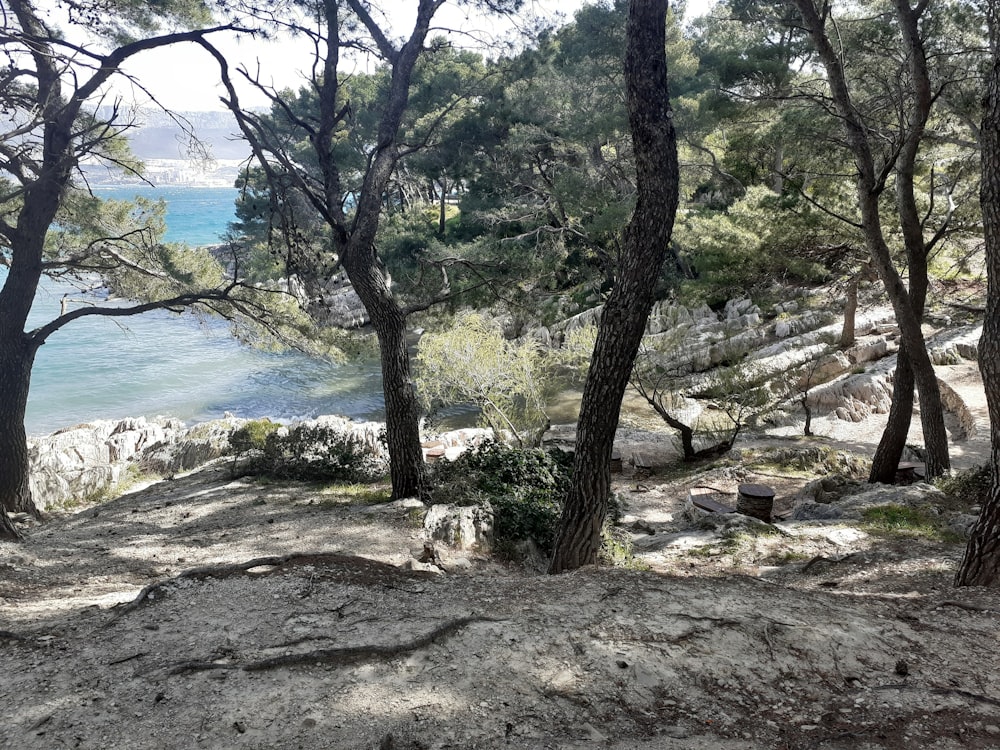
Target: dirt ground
<point>212,612</point>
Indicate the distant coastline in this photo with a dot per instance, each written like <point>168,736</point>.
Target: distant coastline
<point>217,173</point>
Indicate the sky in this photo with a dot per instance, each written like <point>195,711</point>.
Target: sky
<point>184,77</point>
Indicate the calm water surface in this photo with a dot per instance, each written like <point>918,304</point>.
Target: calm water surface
<point>167,364</point>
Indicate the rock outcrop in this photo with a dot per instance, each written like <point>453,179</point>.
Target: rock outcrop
<point>90,459</point>
<point>102,457</point>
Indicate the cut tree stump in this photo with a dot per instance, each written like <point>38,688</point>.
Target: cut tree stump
<point>755,500</point>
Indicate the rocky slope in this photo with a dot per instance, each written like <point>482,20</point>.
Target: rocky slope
<point>209,611</point>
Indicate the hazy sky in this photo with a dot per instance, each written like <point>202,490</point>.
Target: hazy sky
<point>184,77</point>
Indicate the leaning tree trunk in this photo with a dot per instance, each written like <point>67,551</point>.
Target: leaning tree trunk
<point>402,409</point>
<point>981,564</point>
<point>870,184</point>
<point>623,321</point>
<point>897,427</point>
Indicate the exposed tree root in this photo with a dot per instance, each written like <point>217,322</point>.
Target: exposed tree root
<point>335,656</point>
<point>8,531</point>
<point>968,694</point>
<point>961,605</point>
<point>823,558</point>
<point>225,570</point>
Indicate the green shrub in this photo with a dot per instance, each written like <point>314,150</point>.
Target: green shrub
<point>526,488</point>
<point>900,520</point>
<point>305,452</point>
<point>970,487</point>
<point>252,436</point>
<point>472,362</point>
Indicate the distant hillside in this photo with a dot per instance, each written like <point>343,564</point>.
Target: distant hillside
<point>159,136</point>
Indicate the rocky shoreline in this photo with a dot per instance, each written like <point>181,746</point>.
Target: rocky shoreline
<point>848,391</point>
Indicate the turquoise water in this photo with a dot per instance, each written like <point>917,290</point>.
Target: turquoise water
<point>163,363</point>
<point>195,215</point>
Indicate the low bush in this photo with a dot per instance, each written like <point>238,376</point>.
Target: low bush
<point>304,452</point>
<point>903,521</point>
<point>969,487</point>
<point>251,436</point>
<point>526,488</point>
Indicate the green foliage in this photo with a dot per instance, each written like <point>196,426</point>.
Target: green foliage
<point>354,494</point>
<point>526,488</point>
<point>970,487</point>
<point>573,357</point>
<point>124,21</point>
<point>305,452</point>
<point>252,437</point>
<point>760,238</point>
<point>903,521</point>
<point>617,549</point>
<point>472,362</point>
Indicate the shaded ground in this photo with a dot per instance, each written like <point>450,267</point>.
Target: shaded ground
<point>114,633</point>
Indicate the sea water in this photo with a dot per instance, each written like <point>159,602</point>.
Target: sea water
<point>170,364</point>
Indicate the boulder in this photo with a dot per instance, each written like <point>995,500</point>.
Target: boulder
<point>468,527</point>
<point>89,459</point>
<point>961,524</point>
<point>189,449</point>
<point>915,495</point>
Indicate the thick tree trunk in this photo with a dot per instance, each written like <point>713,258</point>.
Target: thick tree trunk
<point>623,320</point>
<point>443,208</point>
<point>890,448</point>
<point>402,409</point>
<point>897,427</point>
<point>931,406</point>
<point>16,356</point>
<point>981,564</point>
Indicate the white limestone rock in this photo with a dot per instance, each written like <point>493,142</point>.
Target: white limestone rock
<point>466,527</point>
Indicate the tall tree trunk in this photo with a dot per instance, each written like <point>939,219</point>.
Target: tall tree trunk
<point>16,356</point>
<point>850,312</point>
<point>402,409</point>
<point>443,208</point>
<point>893,441</point>
<point>623,321</point>
<point>870,185</point>
<point>981,563</point>
<point>778,167</point>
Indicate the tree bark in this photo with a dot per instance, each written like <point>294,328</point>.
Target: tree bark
<point>16,356</point>
<point>870,185</point>
<point>443,208</point>
<point>623,321</point>
<point>354,236</point>
<point>850,312</point>
<point>980,565</point>
<point>402,408</point>
<point>15,375</point>
<point>897,426</point>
